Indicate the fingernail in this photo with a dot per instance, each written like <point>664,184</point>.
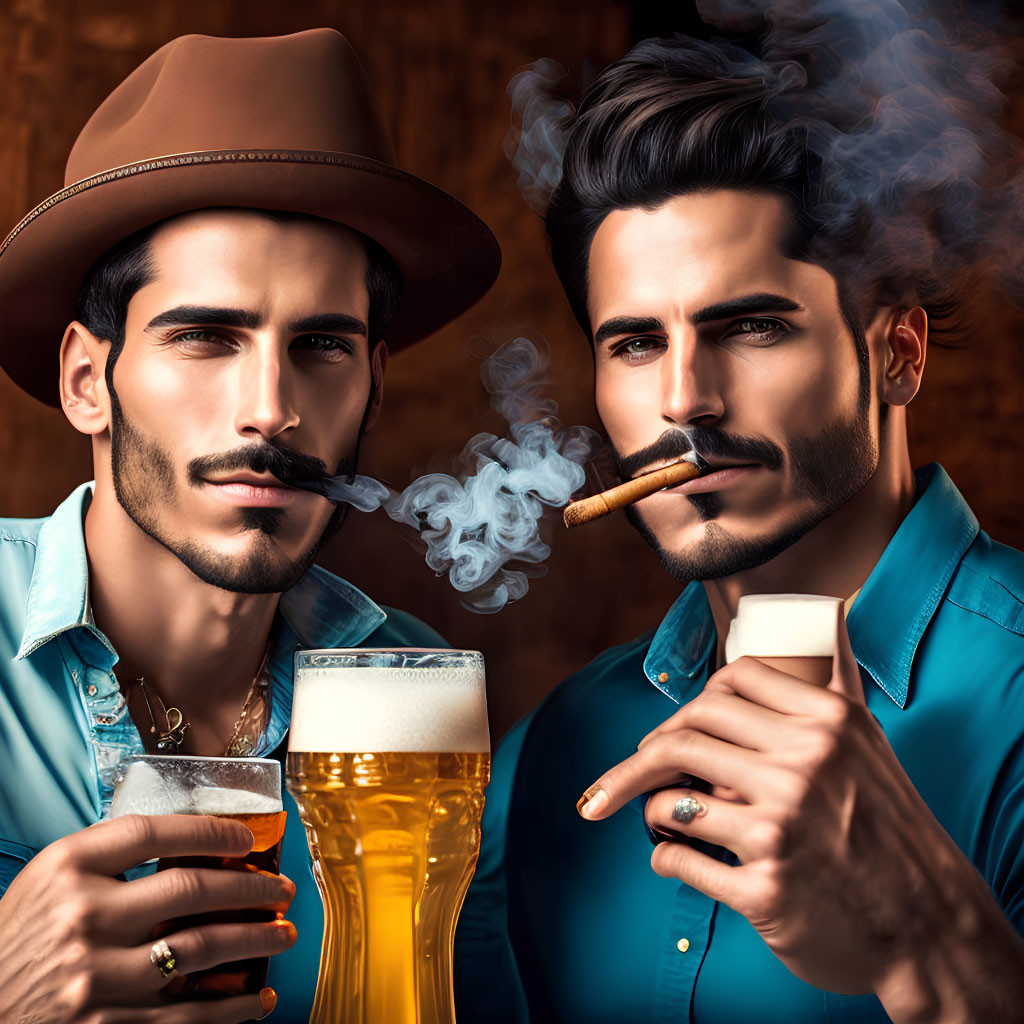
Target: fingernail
<point>287,928</point>
<point>592,802</point>
<point>268,1000</point>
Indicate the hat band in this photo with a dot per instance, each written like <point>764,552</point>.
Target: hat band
<point>209,157</point>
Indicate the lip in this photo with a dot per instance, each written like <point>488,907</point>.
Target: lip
<point>253,492</point>
<point>717,480</point>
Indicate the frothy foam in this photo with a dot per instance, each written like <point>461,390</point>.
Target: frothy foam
<point>783,626</point>
<point>233,801</point>
<point>145,790</point>
<point>373,709</point>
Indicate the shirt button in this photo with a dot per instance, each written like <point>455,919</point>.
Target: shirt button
<point>662,677</point>
<point>91,690</point>
<point>683,945</point>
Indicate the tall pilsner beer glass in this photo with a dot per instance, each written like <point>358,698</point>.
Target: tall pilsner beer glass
<point>387,760</point>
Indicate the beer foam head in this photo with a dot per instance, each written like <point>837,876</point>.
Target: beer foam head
<point>783,626</point>
<point>196,785</point>
<point>233,801</point>
<point>145,790</point>
<point>361,709</point>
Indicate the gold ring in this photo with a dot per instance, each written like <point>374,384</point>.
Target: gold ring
<point>164,959</point>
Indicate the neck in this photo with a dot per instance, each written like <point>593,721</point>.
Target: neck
<point>836,556</point>
<point>196,645</point>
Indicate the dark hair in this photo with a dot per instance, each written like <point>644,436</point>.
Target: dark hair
<point>110,283</point>
<point>676,116</point>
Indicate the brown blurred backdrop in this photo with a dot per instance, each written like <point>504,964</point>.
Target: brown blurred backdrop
<point>440,69</point>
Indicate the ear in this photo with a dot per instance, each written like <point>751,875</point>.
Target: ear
<point>907,342</point>
<point>378,364</point>
<point>83,387</point>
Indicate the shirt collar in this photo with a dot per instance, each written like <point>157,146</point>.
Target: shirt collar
<point>887,620</point>
<point>677,661</point>
<point>323,610</point>
<point>903,592</point>
<point>58,593</point>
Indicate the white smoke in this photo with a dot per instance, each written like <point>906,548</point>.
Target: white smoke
<point>535,142</point>
<point>488,515</point>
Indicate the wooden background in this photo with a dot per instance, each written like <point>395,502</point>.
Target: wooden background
<point>440,69</point>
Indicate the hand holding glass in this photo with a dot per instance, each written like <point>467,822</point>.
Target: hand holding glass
<point>247,789</point>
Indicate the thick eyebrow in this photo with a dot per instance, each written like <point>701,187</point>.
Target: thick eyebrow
<point>340,323</point>
<point>207,316</point>
<point>763,302</point>
<point>618,325</point>
<point>223,316</point>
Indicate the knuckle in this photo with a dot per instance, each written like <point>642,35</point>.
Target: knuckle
<point>821,747</point>
<point>139,829</point>
<point>770,885</point>
<point>77,916</point>
<point>794,789</point>
<point>185,884</point>
<point>768,837</point>
<point>721,680</point>
<point>77,993</point>
<point>57,859</point>
<point>840,712</point>
<point>200,949</point>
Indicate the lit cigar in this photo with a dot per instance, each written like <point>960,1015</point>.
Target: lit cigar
<point>598,505</point>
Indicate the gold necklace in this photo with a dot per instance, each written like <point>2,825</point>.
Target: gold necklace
<point>172,736</point>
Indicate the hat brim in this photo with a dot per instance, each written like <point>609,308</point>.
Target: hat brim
<point>447,255</point>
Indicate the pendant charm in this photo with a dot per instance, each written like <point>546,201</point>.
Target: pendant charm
<point>170,741</point>
<point>241,746</point>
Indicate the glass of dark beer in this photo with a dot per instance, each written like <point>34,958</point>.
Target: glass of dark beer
<point>247,789</point>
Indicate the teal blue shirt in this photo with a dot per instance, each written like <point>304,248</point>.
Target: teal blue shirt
<point>64,725</point>
<point>566,921</point>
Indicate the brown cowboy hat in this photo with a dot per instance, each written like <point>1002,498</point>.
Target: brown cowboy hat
<point>281,123</point>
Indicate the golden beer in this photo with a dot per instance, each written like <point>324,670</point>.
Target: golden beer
<point>394,834</point>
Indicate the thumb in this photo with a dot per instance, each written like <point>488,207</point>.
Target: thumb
<point>845,670</point>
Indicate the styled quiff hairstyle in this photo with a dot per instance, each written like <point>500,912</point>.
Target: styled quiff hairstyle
<point>677,116</point>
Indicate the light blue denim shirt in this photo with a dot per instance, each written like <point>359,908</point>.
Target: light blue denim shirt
<point>565,920</point>
<point>64,725</point>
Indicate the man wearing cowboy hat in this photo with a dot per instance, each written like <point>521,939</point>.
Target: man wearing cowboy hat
<point>231,249</point>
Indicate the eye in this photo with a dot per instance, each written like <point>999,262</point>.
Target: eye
<point>327,347</point>
<point>201,339</point>
<point>757,330</point>
<point>637,350</point>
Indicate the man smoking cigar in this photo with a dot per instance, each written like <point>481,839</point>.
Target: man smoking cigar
<point>232,249</point>
<point>852,852</point>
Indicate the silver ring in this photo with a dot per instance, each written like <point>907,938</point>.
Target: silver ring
<point>164,959</point>
<point>686,809</point>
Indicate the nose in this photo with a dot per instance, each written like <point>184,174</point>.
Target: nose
<point>691,382</point>
<point>265,401</point>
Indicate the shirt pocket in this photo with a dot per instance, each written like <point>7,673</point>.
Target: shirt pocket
<point>13,857</point>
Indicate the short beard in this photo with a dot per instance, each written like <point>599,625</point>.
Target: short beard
<point>829,468</point>
<point>144,479</point>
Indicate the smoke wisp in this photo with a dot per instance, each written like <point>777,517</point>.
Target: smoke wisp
<point>535,141</point>
<point>476,523</point>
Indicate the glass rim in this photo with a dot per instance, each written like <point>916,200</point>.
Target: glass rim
<point>182,758</point>
<point>390,650</point>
